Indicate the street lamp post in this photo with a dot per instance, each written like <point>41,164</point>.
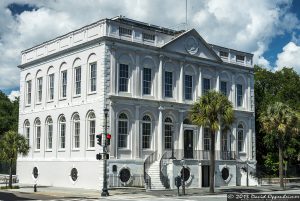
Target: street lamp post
<point>247,172</point>
<point>104,189</point>
<point>183,179</point>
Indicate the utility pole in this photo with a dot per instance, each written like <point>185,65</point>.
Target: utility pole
<point>104,189</point>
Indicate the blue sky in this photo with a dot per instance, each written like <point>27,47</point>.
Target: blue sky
<point>270,29</point>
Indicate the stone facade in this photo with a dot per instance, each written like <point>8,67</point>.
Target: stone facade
<point>148,77</point>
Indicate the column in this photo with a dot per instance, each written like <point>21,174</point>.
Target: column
<point>249,140</point>
<point>113,132</point>
<point>181,83</point>
<point>160,78</point>
<point>181,133</point>
<point>137,81</point>
<point>233,91</point>
<point>218,82</point>
<point>137,132</point>
<point>160,132</point>
<point>249,94</point>
<point>200,82</point>
<point>234,139</point>
<point>113,69</point>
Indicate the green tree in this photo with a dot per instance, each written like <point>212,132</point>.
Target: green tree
<point>280,122</point>
<point>12,144</point>
<point>215,111</point>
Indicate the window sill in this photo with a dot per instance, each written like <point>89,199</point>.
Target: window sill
<point>37,150</point>
<point>39,103</point>
<point>63,98</point>
<point>61,150</point>
<point>48,150</point>
<point>124,93</point>
<point>124,149</point>
<point>28,105</point>
<point>50,101</point>
<point>242,153</point>
<point>148,96</point>
<point>77,96</point>
<point>75,149</point>
<point>148,149</point>
<point>92,93</point>
<point>91,149</point>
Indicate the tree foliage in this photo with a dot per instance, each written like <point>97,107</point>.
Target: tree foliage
<point>270,87</point>
<point>12,144</point>
<point>9,112</point>
<point>209,111</point>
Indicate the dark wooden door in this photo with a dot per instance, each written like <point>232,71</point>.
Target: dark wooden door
<point>205,176</point>
<point>188,144</point>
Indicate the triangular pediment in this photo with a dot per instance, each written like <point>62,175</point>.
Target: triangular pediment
<point>191,43</point>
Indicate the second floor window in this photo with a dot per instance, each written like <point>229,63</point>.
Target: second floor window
<point>206,85</point>
<point>93,77</point>
<point>51,86</point>
<point>123,78</point>
<point>64,84</point>
<point>239,95</point>
<point>78,81</point>
<point>168,84</point>
<point>223,88</point>
<point>206,139</point>
<point>188,86</point>
<point>39,89</point>
<point>147,81</point>
<point>28,93</point>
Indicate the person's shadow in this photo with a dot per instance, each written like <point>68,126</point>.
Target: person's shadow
<point>6,196</point>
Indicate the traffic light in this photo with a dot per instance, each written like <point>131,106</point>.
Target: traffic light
<point>99,139</point>
<point>108,137</point>
<point>98,156</point>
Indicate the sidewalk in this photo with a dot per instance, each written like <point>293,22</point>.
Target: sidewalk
<point>141,193</point>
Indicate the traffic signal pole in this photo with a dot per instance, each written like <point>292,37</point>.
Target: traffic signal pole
<point>104,189</point>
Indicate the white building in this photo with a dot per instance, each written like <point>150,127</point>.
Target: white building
<point>148,77</point>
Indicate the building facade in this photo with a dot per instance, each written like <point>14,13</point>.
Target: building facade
<point>148,77</point>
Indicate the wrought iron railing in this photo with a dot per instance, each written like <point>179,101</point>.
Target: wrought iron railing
<point>198,154</point>
<point>149,160</point>
<point>163,174</point>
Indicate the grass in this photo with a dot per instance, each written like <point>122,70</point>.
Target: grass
<point>7,187</point>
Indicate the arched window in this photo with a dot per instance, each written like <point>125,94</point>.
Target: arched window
<point>62,132</point>
<point>168,133</point>
<point>37,134</point>
<point>146,129</point>
<point>240,131</point>
<point>224,141</point>
<point>76,131</point>
<point>122,131</point>
<point>49,132</point>
<point>91,129</point>
<point>27,131</point>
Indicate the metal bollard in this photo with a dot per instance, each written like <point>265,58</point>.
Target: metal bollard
<point>35,188</point>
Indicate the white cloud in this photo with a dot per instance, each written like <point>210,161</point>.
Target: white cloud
<point>289,57</point>
<point>243,25</point>
<point>13,95</point>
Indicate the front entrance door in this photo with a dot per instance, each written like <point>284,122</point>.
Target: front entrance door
<point>188,143</point>
<point>205,176</point>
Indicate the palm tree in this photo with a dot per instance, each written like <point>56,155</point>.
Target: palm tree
<point>280,121</point>
<point>213,110</point>
<point>12,144</point>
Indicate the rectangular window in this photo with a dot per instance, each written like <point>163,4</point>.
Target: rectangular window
<point>64,84</point>
<point>50,135</point>
<point>146,135</point>
<point>38,137</point>
<point>223,54</point>
<point>92,133</point>
<point>28,92</point>
<point>239,95</point>
<point>168,84</point>
<point>62,135</point>
<point>147,81</point>
<point>240,141</point>
<point>93,77</point>
<point>123,127</point>
<point>206,85</point>
<point>51,86</point>
<point>188,87</point>
<point>240,58</point>
<point>168,136</point>
<point>78,81</point>
<point>124,31</point>
<point>148,37</point>
<point>224,141</point>
<point>76,134</point>
<point>206,139</point>
<point>123,78</point>
<point>223,88</point>
<point>39,89</point>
